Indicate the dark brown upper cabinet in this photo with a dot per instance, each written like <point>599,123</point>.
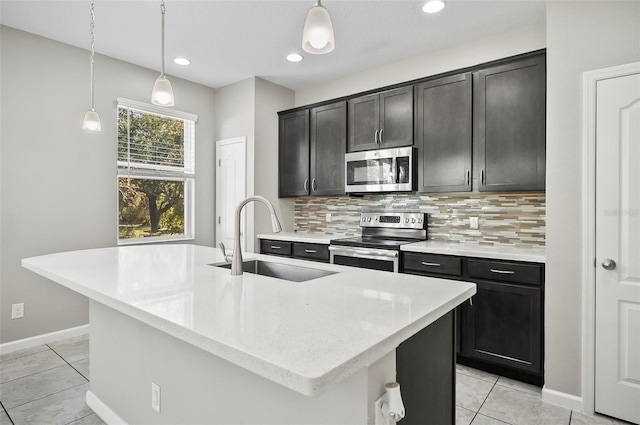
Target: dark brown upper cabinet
<point>444,134</point>
<point>509,126</point>
<point>381,120</point>
<point>312,144</point>
<point>328,146</point>
<point>293,156</point>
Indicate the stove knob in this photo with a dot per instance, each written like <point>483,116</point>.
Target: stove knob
<point>413,220</point>
<point>364,219</point>
<point>406,220</point>
<point>368,218</point>
<point>419,221</point>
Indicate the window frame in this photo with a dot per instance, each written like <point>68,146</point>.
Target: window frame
<point>187,175</point>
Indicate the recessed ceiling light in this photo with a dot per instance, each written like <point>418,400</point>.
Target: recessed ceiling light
<point>182,61</point>
<point>433,6</point>
<point>294,57</point>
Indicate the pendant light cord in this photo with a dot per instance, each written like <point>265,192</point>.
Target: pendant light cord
<point>93,40</point>
<point>162,9</point>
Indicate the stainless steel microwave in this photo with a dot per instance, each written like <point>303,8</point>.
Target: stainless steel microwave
<point>384,170</point>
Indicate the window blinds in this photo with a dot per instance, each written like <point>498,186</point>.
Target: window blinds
<point>152,142</point>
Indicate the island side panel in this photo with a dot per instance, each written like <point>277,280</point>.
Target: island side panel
<point>426,373</point>
<point>198,387</point>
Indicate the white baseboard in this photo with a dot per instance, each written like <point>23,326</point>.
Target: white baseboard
<point>102,410</point>
<point>562,399</point>
<point>34,341</point>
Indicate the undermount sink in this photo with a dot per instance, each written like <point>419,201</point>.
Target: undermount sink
<point>279,270</point>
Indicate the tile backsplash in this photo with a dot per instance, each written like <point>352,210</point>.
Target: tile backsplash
<point>505,219</point>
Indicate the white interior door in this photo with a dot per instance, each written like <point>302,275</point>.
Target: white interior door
<point>617,377</point>
<point>231,165</point>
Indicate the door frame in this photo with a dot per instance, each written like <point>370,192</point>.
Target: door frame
<point>590,80</point>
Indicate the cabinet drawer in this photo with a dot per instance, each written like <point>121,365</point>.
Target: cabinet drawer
<point>433,263</point>
<point>312,251</point>
<point>506,272</point>
<point>275,247</point>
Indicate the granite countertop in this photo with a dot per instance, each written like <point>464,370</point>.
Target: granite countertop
<point>301,237</point>
<point>305,336</point>
<point>497,252</point>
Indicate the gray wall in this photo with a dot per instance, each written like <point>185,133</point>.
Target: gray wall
<point>249,108</point>
<point>235,117</point>
<point>270,98</point>
<point>58,182</point>
<point>581,36</point>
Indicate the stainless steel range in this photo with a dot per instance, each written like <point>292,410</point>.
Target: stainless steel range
<point>379,246</point>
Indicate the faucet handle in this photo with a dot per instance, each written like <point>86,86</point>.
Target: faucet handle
<point>227,257</point>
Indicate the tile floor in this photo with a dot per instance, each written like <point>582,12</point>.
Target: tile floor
<point>46,385</point>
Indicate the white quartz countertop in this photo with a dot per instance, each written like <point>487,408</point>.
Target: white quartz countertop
<point>534,255</point>
<point>300,237</point>
<point>306,336</point>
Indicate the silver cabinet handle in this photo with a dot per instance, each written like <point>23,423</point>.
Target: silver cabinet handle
<point>275,247</point>
<point>314,184</point>
<point>310,251</point>
<point>502,271</point>
<point>482,176</point>
<point>609,264</point>
<point>305,186</point>
<point>430,264</point>
<point>375,137</point>
<point>381,133</point>
<point>468,178</point>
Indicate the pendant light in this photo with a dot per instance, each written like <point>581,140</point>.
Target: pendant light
<point>91,120</point>
<point>317,36</point>
<point>162,93</point>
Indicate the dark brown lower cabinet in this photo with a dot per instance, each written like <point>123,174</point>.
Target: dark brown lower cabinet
<point>501,329</point>
<point>425,369</point>
<point>503,326</point>
<point>302,250</point>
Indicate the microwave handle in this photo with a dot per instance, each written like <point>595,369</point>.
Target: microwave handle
<point>395,170</point>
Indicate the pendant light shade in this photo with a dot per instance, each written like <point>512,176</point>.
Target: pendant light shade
<point>91,120</point>
<point>317,36</point>
<point>162,93</point>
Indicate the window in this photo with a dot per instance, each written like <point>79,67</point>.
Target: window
<point>156,173</point>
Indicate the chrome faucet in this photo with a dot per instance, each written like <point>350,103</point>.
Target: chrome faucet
<point>236,261</point>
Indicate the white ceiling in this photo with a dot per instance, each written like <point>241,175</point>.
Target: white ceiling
<point>228,41</point>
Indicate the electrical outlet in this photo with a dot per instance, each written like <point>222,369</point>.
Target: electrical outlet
<point>473,223</point>
<point>327,218</point>
<point>17,311</point>
<point>155,397</point>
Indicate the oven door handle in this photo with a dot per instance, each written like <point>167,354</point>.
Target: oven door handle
<point>364,253</point>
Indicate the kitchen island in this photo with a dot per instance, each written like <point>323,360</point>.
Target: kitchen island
<point>244,349</point>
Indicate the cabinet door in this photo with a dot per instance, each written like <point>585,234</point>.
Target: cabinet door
<point>444,134</point>
<point>503,326</point>
<point>328,146</point>
<point>364,123</point>
<point>510,126</point>
<point>396,118</point>
<point>293,166</point>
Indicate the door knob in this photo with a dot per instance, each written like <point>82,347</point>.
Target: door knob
<point>608,264</point>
